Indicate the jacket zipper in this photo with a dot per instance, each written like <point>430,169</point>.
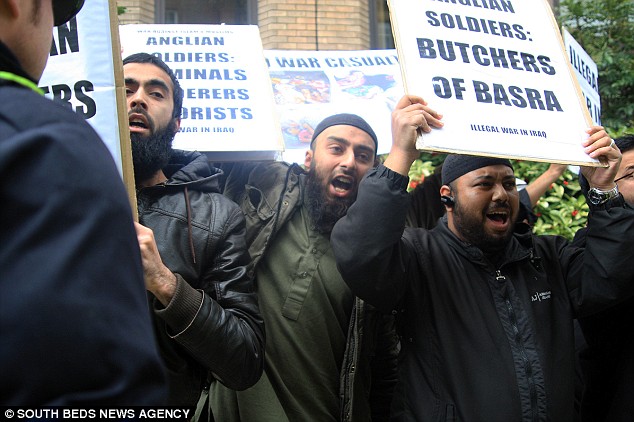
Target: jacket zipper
<point>527,365</point>
<point>350,368</point>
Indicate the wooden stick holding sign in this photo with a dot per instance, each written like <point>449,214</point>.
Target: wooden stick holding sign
<point>84,71</point>
<point>122,111</point>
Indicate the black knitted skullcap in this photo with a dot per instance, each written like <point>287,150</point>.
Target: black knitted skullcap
<point>344,119</point>
<point>456,165</point>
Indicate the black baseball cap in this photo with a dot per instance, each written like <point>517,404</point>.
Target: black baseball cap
<point>64,10</point>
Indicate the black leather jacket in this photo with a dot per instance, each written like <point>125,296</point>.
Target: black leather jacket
<point>213,323</point>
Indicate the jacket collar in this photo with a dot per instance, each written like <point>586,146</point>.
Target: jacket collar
<point>193,170</point>
<point>9,63</point>
<point>519,247</point>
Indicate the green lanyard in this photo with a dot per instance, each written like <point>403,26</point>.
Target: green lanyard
<point>20,80</point>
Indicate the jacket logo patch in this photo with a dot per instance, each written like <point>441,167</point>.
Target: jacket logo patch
<point>539,296</point>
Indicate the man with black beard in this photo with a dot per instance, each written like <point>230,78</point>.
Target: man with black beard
<point>195,259</point>
<point>488,306</point>
<point>323,211</point>
<point>151,154</point>
<point>329,356</point>
<point>466,220</point>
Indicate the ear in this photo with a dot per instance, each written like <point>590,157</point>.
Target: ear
<point>178,124</point>
<point>10,9</point>
<point>308,159</point>
<point>445,190</point>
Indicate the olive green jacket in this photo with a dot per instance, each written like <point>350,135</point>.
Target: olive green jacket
<point>269,193</point>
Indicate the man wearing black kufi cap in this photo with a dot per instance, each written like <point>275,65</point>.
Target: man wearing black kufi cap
<point>486,310</point>
<point>74,320</point>
<point>328,356</point>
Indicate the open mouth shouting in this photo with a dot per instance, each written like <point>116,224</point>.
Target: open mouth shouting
<point>139,123</point>
<point>499,218</point>
<point>342,186</point>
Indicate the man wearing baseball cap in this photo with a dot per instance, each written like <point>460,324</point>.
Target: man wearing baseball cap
<point>329,357</point>
<point>73,312</point>
<point>487,309</point>
<point>65,10</point>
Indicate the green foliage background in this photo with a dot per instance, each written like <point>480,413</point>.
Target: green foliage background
<point>563,209</point>
<point>605,30</point>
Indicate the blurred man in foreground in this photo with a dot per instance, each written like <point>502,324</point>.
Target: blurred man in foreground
<point>74,321</point>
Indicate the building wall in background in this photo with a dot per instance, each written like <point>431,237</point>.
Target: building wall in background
<point>136,11</point>
<point>314,25</point>
<point>290,25</point>
<point>284,24</point>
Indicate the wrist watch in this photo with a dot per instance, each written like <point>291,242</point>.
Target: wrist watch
<point>598,197</point>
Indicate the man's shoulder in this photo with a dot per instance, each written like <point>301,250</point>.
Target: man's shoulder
<point>550,248</point>
<point>50,134</point>
<point>225,203</point>
<point>265,175</point>
<point>439,233</point>
<point>270,166</point>
<point>34,119</point>
<point>275,179</point>
<point>269,178</point>
<point>25,109</point>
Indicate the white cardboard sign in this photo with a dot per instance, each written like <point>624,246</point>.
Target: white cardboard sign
<point>80,72</point>
<point>498,72</point>
<point>228,107</point>
<point>587,75</point>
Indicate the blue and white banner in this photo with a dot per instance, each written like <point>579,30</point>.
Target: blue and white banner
<point>498,73</point>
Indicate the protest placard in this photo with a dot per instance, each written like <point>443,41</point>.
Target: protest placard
<point>83,72</point>
<point>311,85</point>
<point>587,75</point>
<point>228,109</point>
<point>498,72</point>
<point>80,72</point>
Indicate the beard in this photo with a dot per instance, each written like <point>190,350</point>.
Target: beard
<point>323,211</point>
<point>152,153</point>
<point>472,230</point>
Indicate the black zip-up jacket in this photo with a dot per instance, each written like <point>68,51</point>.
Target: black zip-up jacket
<point>481,342</point>
<point>74,323</point>
<point>213,322</point>
<point>607,361</point>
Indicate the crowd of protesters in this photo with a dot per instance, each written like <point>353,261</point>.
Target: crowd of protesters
<point>270,291</point>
